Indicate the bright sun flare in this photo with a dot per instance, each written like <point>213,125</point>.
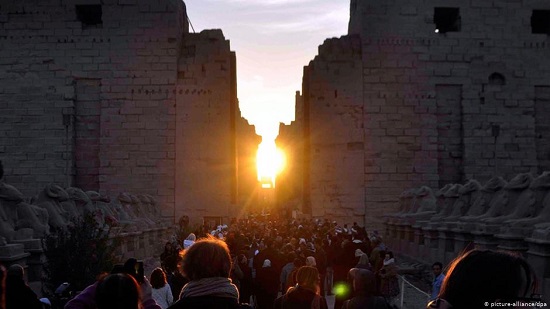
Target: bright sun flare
<point>270,161</point>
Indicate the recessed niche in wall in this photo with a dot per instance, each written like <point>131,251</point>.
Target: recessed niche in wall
<point>497,79</point>
<point>89,15</point>
<point>540,22</point>
<point>447,20</point>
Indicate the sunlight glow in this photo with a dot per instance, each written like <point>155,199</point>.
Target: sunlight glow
<point>270,161</point>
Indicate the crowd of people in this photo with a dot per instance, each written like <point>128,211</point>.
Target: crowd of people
<point>264,264</point>
<point>268,254</point>
<point>305,260</point>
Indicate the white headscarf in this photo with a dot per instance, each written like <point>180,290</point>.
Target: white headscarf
<point>189,241</point>
<point>310,261</point>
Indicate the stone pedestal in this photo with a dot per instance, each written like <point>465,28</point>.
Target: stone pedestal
<point>409,244</point>
<point>140,246</point>
<point>484,236</point>
<point>13,254</point>
<point>431,243</point>
<point>538,256</point>
<point>419,247</point>
<point>129,244</point>
<point>462,239</point>
<point>485,240</point>
<point>401,238</point>
<point>512,242</point>
<point>445,252</point>
<point>391,234</point>
<point>163,235</point>
<point>36,258</point>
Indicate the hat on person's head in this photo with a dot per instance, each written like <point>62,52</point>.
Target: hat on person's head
<point>267,263</point>
<point>302,241</point>
<point>16,270</point>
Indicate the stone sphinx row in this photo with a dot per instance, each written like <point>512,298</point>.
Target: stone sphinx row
<point>56,208</point>
<point>509,215</point>
<point>519,207</point>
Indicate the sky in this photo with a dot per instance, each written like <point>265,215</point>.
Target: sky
<point>273,41</point>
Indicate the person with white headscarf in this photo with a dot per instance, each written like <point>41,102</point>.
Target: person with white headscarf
<point>267,283</point>
<point>389,282</point>
<point>310,261</point>
<point>189,241</point>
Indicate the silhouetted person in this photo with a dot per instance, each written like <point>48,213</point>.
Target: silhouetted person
<point>437,269</point>
<point>364,289</point>
<point>267,284</point>
<point>306,292</point>
<point>481,277</point>
<point>246,282</point>
<point>18,293</point>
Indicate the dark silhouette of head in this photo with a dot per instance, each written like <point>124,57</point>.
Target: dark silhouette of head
<point>437,268</point>
<point>308,277</point>
<point>1,170</point>
<point>208,257</point>
<point>117,291</point>
<point>158,278</point>
<point>16,271</point>
<point>364,282</point>
<point>480,276</point>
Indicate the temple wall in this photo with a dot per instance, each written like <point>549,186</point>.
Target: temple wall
<point>90,97</point>
<point>336,137</point>
<point>203,137</point>
<point>464,102</point>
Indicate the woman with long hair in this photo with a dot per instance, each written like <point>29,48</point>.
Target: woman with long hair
<point>306,293</point>
<point>161,291</point>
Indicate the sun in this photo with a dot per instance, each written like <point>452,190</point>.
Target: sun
<point>270,161</point>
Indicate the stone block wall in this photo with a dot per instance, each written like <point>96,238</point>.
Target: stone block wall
<point>442,102</point>
<point>92,92</point>
<point>88,94</point>
<point>333,103</point>
<point>206,116</point>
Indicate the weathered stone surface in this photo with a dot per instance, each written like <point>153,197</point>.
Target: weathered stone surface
<point>518,195</point>
<point>424,204</point>
<point>434,108</point>
<point>468,195</point>
<point>532,210</point>
<point>20,220</point>
<point>132,102</point>
<point>50,199</point>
